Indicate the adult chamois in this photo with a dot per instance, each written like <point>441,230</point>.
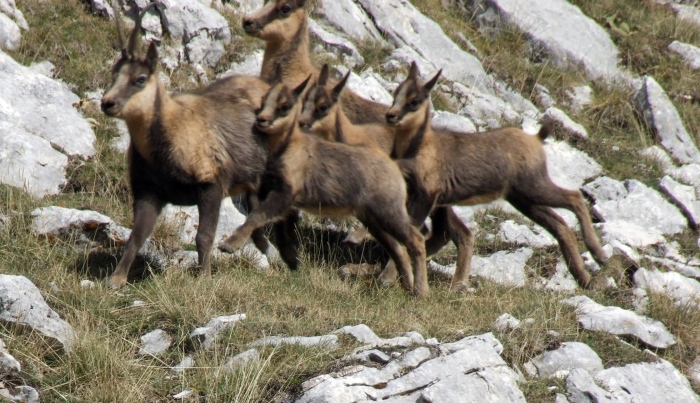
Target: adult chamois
<point>332,179</point>
<point>284,26</point>
<point>322,115</point>
<point>447,168</point>
<point>186,148</point>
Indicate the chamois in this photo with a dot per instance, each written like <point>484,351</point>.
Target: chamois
<point>186,149</point>
<point>447,168</point>
<point>284,26</point>
<point>322,115</point>
<point>332,179</point>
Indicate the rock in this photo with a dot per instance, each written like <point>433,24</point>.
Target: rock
<point>372,376</point>
<point>367,87</point>
<point>9,8</point>
<point>687,13</point>
<point>569,167</point>
<point>642,206</point>
<point>663,118</point>
<point>562,280</point>
<point>567,35</point>
<point>694,370</point>
<point>368,356</point>
<point>404,25</point>
<point>523,235</point>
<point>23,305</point>
<point>582,388</point>
<point>8,363</point>
<point>251,65</point>
<point>494,384</point>
<point>684,197</point>
<point>207,335</point>
<point>186,363</point>
<point>564,124</point>
<point>618,321</point>
<point>452,122</point>
<point>362,333</point>
<point>329,341</point>
<point>241,7</point>
<point>475,342</point>
<point>490,111</point>
<point>689,53</point>
<point>337,44</point>
<point>102,8</point>
<point>503,267</point>
<point>87,284</point>
<point>155,343</point>
<point>329,391</point>
<point>250,356</point>
<point>45,68</point>
<point>630,234</point>
<point>349,18</point>
<point>640,300</point>
<point>184,395</point>
<point>10,35</point>
<point>82,226</point>
<point>561,361</point>
<point>579,97</point>
<point>23,394</point>
<point>605,189</point>
<point>684,291</point>
<point>506,322</point>
<point>543,98</point>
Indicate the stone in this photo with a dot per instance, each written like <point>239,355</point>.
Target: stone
<point>684,197</point>
<point>81,226</point>
<point>9,8</point>
<point>506,322</point>
<point>491,384</point>
<point>87,284</point>
<point>605,189</point>
<point>404,25</point>
<point>208,334</point>
<point>564,124</point>
<point>22,394</point>
<point>186,363</point>
<point>562,360</point>
<point>488,111</point>
<point>369,376</point>
<point>568,36</point>
<point>689,53</point>
<point>23,305</point>
<point>45,68</point>
<point>543,98</point>
<point>329,391</point>
<point>562,280</point>
<point>475,342</point>
<point>155,343</point>
<point>687,13</point>
<point>582,388</point>
<point>336,44</point>
<point>662,117</point>
<point>630,234</point>
<point>184,395</point>
<point>250,66</point>
<point>249,356</point>
<point>509,231</point>
<point>102,8</point>
<point>642,206</point>
<point>503,267</point>
<point>8,363</point>
<point>10,34</point>
<point>640,300</point>
<point>349,18</point>
<point>452,122</point>
<point>329,341</point>
<point>241,7</point>
<point>569,167</point>
<point>367,87</point>
<point>618,321</point>
<point>368,356</point>
<point>579,97</point>
<point>682,290</point>
<point>362,333</point>
<point>694,370</point>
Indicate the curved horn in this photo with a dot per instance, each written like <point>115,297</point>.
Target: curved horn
<point>117,20</point>
<point>135,37</point>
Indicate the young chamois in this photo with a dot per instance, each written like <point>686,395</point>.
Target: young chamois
<point>284,26</point>
<point>448,168</point>
<point>186,149</point>
<point>332,179</point>
<point>322,115</point>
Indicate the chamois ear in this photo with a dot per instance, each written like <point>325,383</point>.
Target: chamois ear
<point>428,86</point>
<point>413,72</point>
<point>339,87</point>
<point>301,87</point>
<point>152,57</point>
<point>323,76</point>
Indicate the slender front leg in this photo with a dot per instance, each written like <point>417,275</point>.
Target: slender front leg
<point>146,212</point>
<point>276,206</point>
<point>208,205</point>
<point>286,238</point>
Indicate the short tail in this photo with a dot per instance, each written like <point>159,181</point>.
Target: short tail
<point>545,131</point>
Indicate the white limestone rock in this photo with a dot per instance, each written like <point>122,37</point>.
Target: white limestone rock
<point>491,384</point>
<point>543,98</point>
<point>523,235</point>
<point>348,17</point>
<point>630,234</point>
<point>694,370</point>
<point>23,305</point>
<point>684,197</point>
<point>251,65</point>
<point>689,53</point>
<point>83,226</point>
<point>662,117</point>
<point>564,31</point>
<point>362,333</point>
<point>8,363</point>
<point>564,123</point>
<point>506,322</point>
<point>250,356</point>
<point>562,280</point>
<point>503,267</point>
<point>208,334</point>
<point>10,34</point>
<point>9,8</point>
<point>687,13</point>
<point>329,341</point>
<point>336,44</point>
<point>22,394</point>
<point>569,167</point>
<point>474,342</point>
<point>618,321</point>
<point>187,363</point>
<point>367,87</point>
<point>155,343</point>
<point>561,361</point>
<point>452,122</point>
<point>579,97</point>
<point>582,388</point>
<point>605,189</point>
<point>683,290</point>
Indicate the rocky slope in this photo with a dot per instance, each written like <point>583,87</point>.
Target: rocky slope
<point>42,134</point>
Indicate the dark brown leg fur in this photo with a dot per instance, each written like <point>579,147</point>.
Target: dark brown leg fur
<point>146,212</point>
<point>286,239</point>
<point>208,205</point>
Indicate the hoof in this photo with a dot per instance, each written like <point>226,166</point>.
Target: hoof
<point>357,237</point>
<point>226,248</point>
<point>116,282</point>
<point>461,288</point>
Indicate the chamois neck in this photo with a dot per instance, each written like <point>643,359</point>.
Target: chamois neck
<point>278,141</point>
<point>144,113</point>
<point>291,53</point>
<point>409,138</point>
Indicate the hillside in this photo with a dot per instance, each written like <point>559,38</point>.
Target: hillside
<point>618,80</point>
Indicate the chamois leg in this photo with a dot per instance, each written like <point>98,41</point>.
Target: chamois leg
<point>287,241</point>
<point>552,222</point>
<point>276,206</point>
<point>396,251</point>
<point>463,239</point>
<point>258,236</point>
<point>208,205</point>
<point>146,212</point>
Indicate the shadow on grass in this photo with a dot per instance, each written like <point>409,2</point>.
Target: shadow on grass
<point>100,264</point>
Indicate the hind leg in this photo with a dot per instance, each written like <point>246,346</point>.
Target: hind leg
<point>208,205</point>
<point>463,239</point>
<point>286,239</point>
<point>397,253</point>
<point>552,222</point>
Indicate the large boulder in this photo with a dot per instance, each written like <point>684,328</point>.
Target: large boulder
<point>10,35</point>
<point>559,362</point>
<point>83,226</point>
<point>348,17</point>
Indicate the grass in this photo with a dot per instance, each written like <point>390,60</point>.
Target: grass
<point>312,301</point>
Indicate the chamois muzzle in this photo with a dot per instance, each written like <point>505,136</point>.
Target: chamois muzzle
<point>262,122</point>
<point>250,26</point>
<point>392,118</point>
<point>109,107</point>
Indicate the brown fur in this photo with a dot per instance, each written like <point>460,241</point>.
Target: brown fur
<point>186,149</point>
<point>332,179</point>
<point>446,168</point>
<point>287,46</point>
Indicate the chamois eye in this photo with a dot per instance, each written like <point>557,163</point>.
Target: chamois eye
<point>285,108</point>
<point>141,80</point>
<point>285,9</point>
<point>323,108</point>
<point>414,102</point>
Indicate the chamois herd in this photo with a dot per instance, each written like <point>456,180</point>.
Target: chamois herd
<point>296,139</point>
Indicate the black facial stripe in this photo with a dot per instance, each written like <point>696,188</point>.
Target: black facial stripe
<point>339,135</point>
<point>413,148</point>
